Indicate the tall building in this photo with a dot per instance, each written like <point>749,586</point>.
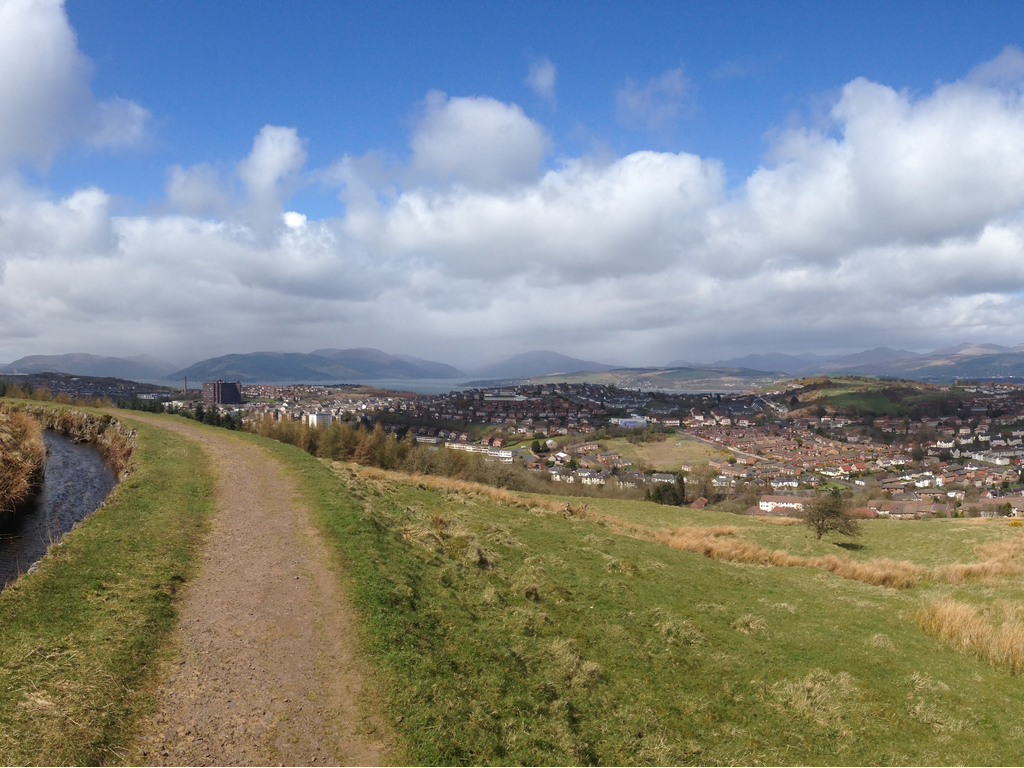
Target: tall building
<point>222,392</point>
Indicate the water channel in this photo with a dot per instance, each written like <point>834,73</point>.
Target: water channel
<point>76,482</point>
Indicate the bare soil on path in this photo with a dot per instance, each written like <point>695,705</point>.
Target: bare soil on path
<point>266,669</point>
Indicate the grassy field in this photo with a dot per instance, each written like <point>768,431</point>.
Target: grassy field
<point>666,456</point>
<point>505,631</point>
<point>510,633</point>
<point>80,636</point>
<point>869,395</point>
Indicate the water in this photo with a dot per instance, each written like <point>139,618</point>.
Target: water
<point>76,482</point>
<point>420,386</point>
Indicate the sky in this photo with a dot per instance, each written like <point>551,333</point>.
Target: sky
<point>634,183</point>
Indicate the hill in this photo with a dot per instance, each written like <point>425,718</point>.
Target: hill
<point>324,365</point>
<point>809,364</point>
<point>632,633</point>
<point>966,361</point>
<point>539,363</point>
<point>670,379</point>
<point>380,365</point>
<point>140,368</point>
<point>961,361</point>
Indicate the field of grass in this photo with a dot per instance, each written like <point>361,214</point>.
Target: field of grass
<point>666,456</point>
<point>875,402</point>
<point>510,633</point>
<point>869,395</point>
<point>80,636</point>
<point>505,630</point>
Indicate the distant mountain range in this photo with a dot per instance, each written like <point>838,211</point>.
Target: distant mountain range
<point>328,365</point>
<point>808,364</point>
<point>530,364</point>
<point>963,361</point>
<point>138,368</point>
<point>324,365</point>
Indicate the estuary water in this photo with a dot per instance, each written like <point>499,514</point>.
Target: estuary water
<point>76,482</point>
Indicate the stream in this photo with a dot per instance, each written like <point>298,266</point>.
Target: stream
<point>76,482</point>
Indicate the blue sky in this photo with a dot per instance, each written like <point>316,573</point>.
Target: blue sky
<point>349,76</point>
<point>632,182</point>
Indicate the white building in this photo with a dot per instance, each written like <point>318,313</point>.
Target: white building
<point>771,503</point>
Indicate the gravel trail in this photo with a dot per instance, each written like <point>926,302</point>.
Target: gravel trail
<point>266,669</point>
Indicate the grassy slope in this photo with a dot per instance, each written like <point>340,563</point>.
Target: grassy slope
<point>635,652</point>
<point>79,637</point>
<point>666,456</point>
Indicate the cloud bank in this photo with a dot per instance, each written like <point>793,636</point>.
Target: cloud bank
<point>899,220</point>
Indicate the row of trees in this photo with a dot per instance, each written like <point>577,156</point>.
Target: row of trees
<point>44,395</point>
<point>345,441</point>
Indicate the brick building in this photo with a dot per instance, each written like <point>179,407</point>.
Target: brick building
<point>222,392</point>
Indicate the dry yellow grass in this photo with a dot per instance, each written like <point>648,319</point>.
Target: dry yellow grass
<point>1000,558</point>
<point>112,439</point>
<point>22,453</point>
<point>720,543</point>
<point>995,635</point>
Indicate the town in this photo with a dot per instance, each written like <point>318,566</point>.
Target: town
<point>771,448</point>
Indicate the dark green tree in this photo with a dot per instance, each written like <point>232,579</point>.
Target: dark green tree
<point>827,514</point>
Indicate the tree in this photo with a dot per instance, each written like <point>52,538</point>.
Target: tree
<point>827,514</point>
<point>673,494</point>
<point>702,483</point>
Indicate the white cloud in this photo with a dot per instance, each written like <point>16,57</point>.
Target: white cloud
<point>120,123</point>
<point>541,79</point>
<point>476,141</point>
<point>899,221</point>
<point>276,153</point>
<point>44,80</point>
<point>269,172</point>
<point>656,105</point>
<point>197,190</point>
<point>45,98</point>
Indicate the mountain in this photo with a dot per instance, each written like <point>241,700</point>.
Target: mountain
<point>976,350</point>
<point>675,379</point>
<point>541,363</point>
<point>876,356</point>
<point>139,368</point>
<point>808,364</point>
<point>380,365</point>
<point>964,361</point>
<point>795,365</point>
<point>324,365</point>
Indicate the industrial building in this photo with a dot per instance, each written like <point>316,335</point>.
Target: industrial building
<point>222,392</point>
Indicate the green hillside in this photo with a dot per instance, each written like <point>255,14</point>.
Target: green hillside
<point>512,633</point>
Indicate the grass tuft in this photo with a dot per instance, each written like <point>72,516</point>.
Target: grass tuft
<point>995,634</point>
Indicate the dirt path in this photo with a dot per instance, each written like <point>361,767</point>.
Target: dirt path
<point>266,671</point>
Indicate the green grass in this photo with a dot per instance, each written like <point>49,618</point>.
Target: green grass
<point>501,633</point>
<point>869,397</point>
<point>667,455</point>
<point>875,402</point>
<point>79,638</point>
<point>573,645</point>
